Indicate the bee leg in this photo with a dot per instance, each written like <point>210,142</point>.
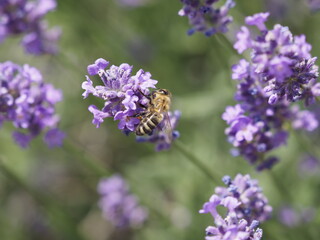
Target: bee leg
<point>142,106</point>
<point>147,96</point>
<point>141,114</point>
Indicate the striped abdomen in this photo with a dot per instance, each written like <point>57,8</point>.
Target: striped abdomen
<point>149,122</point>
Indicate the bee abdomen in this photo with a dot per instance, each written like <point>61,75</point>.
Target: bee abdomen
<point>148,123</point>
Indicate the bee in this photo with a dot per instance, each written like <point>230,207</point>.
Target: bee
<point>155,112</point>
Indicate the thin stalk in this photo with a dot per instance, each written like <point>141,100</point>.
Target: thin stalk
<point>92,164</point>
<point>195,161</point>
<point>87,160</point>
<point>58,217</point>
<point>224,41</point>
<point>278,183</point>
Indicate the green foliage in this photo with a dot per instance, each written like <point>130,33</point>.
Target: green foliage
<point>63,201</point>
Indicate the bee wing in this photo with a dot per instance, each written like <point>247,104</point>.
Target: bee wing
<point>167,128</point>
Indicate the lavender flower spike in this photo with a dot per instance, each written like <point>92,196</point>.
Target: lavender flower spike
<point>26,17</point>
<point>119,206</point>
<point>205,17</point>
<point>125,96</point>
<point>245,205</point>
<point>245,196</point>
<point>29,103</point>
<point>282,61</point>
<point>281,71</point>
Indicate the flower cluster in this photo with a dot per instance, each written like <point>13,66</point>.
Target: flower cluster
<point>125,96</point>
<point>25,17</point>
<point>280,72</point>
<point>119,206</point>
<point>246,207</point>
<point>29,103</point>
<point>281,61</point>
<point>205,17</point>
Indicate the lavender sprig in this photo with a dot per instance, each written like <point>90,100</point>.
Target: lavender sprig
<point>124,95</point>
<point>205,17</point>
<point>119,206</point>
<point>282,61</point>
<point>280,72</point>
<point>29,103</point>
<point>246,206</point>
<point>26,17</point>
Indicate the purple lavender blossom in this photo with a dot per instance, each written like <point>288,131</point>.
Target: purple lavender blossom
<point>205,17</point>
<point>255,126</point>
<point>251,203</point>
<point>26,17</point>
<point>119,206</point>
<point>244,203</point>
<point>125,95</point>
<point>29,103</point>
<point>280,72</point>
<point>281,61</point>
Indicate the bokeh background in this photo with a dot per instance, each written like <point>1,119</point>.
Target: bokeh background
<point>54,196</point>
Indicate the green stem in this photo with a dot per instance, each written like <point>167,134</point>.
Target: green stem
<point>278,183</point>
<point>224,41</point>
<point>194,160</point>
<point>59,218</point>
<point>64,60</point>
<point>86,159</point>
<point>92,164</point>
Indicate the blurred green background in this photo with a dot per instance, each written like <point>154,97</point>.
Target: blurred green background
<point>57,198</point>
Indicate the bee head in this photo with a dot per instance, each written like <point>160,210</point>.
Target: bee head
<point>162,91</point>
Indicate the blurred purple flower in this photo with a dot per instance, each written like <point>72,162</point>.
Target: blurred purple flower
<point>205,17</point>
<point>26,17</point>
<point>279,9</point>
<point>314,5</point>
<point>132,3</point>
<point>29,103</point>
<point>291,218</point>
<point>288,216</point>
<point>309,165</point>
<point>119,206</point>
<point>305,120</point>
<point>124,95</point>
<point>245,204</point>
<point>54,138</point>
